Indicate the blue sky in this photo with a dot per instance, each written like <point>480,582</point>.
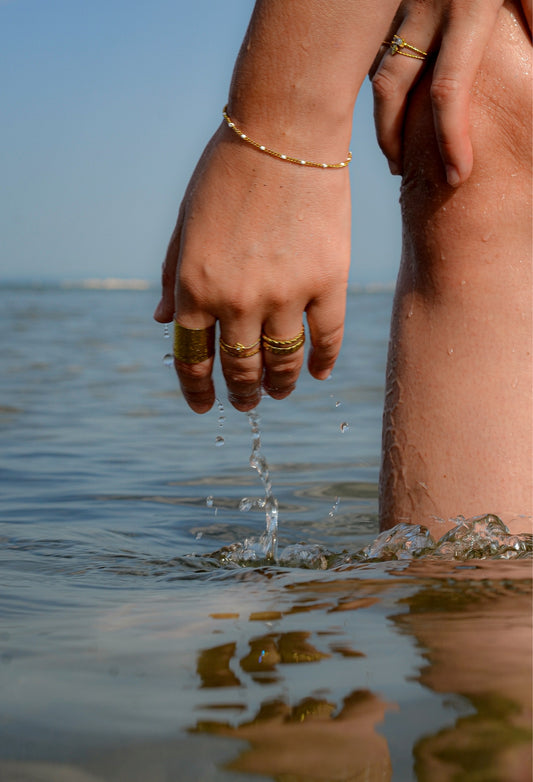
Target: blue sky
<point>106,107</point>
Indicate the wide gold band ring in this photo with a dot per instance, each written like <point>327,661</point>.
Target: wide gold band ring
<point>283,347</point>
<point>238,350</point>
<point>192,346</point>
<point>398,44</point>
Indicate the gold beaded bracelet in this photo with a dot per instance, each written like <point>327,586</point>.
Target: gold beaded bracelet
<point>279,155</point>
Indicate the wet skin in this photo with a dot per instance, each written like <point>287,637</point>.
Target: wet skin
<point>457,434</point>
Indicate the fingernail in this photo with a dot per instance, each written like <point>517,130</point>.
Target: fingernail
<point>452,176</point>
<point>394,168</point>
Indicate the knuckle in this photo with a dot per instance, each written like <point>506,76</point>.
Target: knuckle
<point>443,90</point>
<point>192,373</point>
<point>329,343</point>
<point>284,373</point>
<point>384,87</point>
<point>241,379</point>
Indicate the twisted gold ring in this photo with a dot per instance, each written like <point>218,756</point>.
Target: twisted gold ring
<point>283,347</point>
<point>239,350</point>
<point>192,346</point>
<point>398,44</point>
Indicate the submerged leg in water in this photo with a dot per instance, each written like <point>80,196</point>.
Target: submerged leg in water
<point>457,433</point>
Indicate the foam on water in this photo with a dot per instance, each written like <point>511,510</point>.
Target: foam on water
<point>482,537</point>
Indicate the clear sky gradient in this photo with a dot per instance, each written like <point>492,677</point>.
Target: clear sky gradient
<point>105,108</point>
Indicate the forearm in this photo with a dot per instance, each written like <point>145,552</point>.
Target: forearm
<point>300,68</point>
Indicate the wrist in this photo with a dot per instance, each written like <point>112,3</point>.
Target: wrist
<point>278,154</point>
<point>298,125</point>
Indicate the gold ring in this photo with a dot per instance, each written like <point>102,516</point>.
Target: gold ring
<point>192,346</point>
<point>283,347</point>
<point>398,44</point>
<point>239,350</point>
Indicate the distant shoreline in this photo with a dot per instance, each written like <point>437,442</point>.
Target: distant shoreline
<point>136,284</point>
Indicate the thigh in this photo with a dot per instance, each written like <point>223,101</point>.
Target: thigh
<point>457,429</point>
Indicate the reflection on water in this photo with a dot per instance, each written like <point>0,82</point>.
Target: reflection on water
<point>313,740</point>
<point>476,637</point>
<point>400,670</point>
<point>472,626</point>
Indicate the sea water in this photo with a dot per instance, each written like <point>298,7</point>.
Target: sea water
<point>208,597</point>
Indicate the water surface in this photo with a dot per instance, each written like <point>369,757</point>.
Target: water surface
<point>137,643</point>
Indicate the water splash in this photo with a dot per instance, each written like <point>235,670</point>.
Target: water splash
<point>314,556</point>
<point>334,508</point>
<point>248,503</point>
<point>221,414</point>
<point>480,537</point>
<point>269,541</point>
<point>403,541</point>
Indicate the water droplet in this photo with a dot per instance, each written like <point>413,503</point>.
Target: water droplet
<point>166,332</point>
<point>221,415</point>
<point>246,504</point>
<point>334,508</point>
<point>219,441</point>
<point>209,501</point>
<point>199,535</point>
<point>168,359</point>
<point>338,404</point>
<point>450,351</point>
<point>344,427</point>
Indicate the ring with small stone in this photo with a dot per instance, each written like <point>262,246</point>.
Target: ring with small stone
<point>238,350</point>
<point>398,44</point>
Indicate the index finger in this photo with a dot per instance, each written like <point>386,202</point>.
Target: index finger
<point>194,348</point>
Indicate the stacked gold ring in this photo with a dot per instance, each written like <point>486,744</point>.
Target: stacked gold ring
<point>192,346</point>
<point>398,44</point>
<point>283,347</point>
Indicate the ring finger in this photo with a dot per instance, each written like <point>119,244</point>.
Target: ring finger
<point>282,342</point>
<point>404,56</point>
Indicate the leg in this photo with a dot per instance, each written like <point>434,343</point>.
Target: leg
<point>457,433</point>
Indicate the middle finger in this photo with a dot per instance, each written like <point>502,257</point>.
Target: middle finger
<point>241,361</point>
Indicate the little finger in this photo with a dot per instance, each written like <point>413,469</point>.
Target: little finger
<point>325,317</point>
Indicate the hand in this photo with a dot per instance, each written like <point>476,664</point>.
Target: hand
<point>459,30</point>
<point>258,242</point>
